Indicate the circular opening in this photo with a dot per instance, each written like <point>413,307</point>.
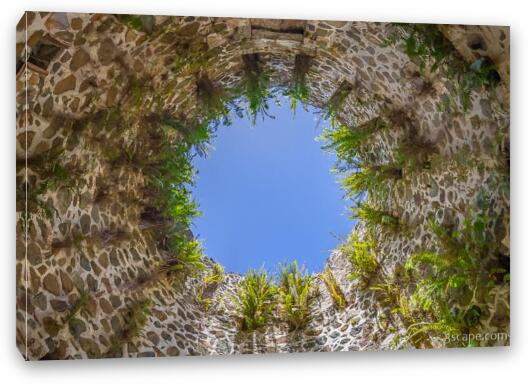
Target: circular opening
<point>267,194</point>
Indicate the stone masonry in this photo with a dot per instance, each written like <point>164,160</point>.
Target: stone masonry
<point>74,71</point>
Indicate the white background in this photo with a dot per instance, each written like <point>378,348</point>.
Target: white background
<point>449,366</point>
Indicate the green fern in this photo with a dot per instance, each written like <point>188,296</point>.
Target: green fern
<point>361,255</point>
<point>338,298</point>
<point>256,88</point>
<point>452,284</point>
<point>255,300</point>
<point>189,259</point>
<point>170,175</point>
<point>296,293</point>
<point>79,305</point>
<point>370,180</point>
<point>216,276</point>
<point>52,175</point>
<point>213,278</point>
<point>335,103</point>
<point>360,176</point>
<point>218,105</point>
<point>373,217</point>
<point>426,45</point>
<point>346,142</point>
<point>297,93</point>
<point>135,321</point>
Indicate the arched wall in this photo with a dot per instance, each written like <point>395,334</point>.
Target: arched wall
<point>104,66</point>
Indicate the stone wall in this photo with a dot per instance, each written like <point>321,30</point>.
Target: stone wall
<point>85,84</point>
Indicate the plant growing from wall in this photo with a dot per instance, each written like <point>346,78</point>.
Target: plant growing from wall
<point>335,103</point>
<point>165,156</point>
<point>296,293</point>
<point>192,57</point>
<point>140,92</point>
<point>338,298</point>
<point>127,154</point>
<point>373,217</point>
<point>170,175</point>
<point>370,180</point>
<point>79,306</point>
<point>194,135</point>
<point>54,174</point>
<point>346,142</point>
<point>362,257</point>
<point>209,285</point>
<point>414,152</point>
<point>392,292</point>
<point>142,23</point>
<point>216,275</point>
<point>361,177</point>
<point>51,174</point>
<point>189,256</point>
<point>392,295</point>
<point>255,300</point>
<point>482,73</point>
<point>453,284</point>
<point>426,45</point>
<point>256,87</point>
<point>298,91</point>
<point>36,205</point>
<point>135,321</point>
<point>217,104</point>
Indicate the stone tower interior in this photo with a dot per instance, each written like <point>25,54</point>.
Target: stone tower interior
<point>110,106</point>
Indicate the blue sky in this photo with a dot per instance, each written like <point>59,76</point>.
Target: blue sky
<point>267,195</point>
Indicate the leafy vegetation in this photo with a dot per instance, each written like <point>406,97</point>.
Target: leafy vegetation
<point>360,176</point>
<point>362,257</point>
<point>298,91</point>
<point>296,293</point>
<point>171,175</point>
<point>335,103</point>
<point>210,283</point>
<point>392,295</point>
<point>216,276</point>
<point>137,319</point>
<point>189,260</point>
<point>217,104</point>
<point>346,142</point>
<point>52,174</point>
<point>414,153</point>
<point>453,284</point>
<point>142,23</point>
<point>256,87</point>
<point>79,305</point>
<point>37,206</point>
<point>135,322</point>
<point>336,294</point>
<point>373,217</point>
<point>426,45</point>
<point>373,179</point>
<point>192,57</point>
<point>255,300</point>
